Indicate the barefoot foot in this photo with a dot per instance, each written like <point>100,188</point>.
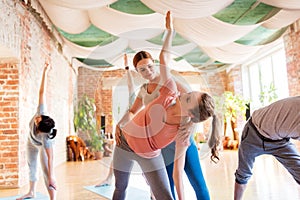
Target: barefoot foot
<point>104,183</point>
<point>27,196</point>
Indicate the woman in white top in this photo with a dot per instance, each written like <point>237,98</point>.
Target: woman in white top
<point>40,141</point>
<point>144,133</point>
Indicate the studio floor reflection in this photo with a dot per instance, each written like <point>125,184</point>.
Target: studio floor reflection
<point>269,182</point>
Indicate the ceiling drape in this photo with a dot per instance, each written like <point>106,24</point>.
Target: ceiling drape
<point>194,21</point>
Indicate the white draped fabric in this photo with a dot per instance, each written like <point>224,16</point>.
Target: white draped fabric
<point>119,23</point>
<point>288,4</point>
<point>82,5</point>
<point>210,31</point>
<point>193,20</point>
<point>67,19</point>
<point>188,9</point>
<point>233,51</point>
<point>76,63</point>
<point>98,52</point>
<point>115,49</point>
<point>266,49</point>
<point>282,18</point>
<point>177,50</point>
<point>192,7</point>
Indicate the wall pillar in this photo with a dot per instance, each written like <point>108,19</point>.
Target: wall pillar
<point>292,49</point>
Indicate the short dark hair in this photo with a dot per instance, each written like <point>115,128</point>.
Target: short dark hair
<point>46,124</point>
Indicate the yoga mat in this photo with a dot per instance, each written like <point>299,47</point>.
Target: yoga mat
<point>38,196</point>
<point>107,192</point>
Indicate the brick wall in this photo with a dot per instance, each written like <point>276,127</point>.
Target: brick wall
<point>9,138</point>
<point>234,80</point>
<point>26,36</point>
<point>292,49</point>
<point>93,84</point>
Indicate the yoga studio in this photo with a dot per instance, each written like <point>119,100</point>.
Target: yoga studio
<point>150,99</point>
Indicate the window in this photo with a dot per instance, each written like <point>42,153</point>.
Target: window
<point>265,80</point>
<point>120,102</point>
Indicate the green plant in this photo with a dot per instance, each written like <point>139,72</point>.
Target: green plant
<point>85,121</point>
<point>268,95</point>
<point>96,141</point>
<point>231,105</point>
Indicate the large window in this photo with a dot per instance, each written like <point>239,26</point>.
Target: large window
<point>120,102</point>
<point>265,80</point>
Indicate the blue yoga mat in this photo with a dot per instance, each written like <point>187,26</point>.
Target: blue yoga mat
<point>39,196</point>
<point>107,192</point>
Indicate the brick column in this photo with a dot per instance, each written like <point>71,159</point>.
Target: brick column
<point>292,49</point>
<point>9,136</point>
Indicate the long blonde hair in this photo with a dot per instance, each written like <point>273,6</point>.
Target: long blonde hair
<point>204,110</point>
<point>214,138</point>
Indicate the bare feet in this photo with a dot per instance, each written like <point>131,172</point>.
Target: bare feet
<point>27,196</point>
<point>103,183</point>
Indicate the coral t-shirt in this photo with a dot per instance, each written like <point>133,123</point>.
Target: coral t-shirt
<point>147,132</point>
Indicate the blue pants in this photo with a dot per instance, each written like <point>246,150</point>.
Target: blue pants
<point>253,145</point>
<point>192,169</point>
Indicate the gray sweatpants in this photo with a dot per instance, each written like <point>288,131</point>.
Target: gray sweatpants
<point>154,170</point>
<point>33,151</point>
<point>253,144</point>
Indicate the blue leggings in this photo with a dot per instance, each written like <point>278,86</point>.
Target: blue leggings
<point>192,169</point>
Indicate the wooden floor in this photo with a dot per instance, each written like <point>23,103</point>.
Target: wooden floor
<point>269,182</point>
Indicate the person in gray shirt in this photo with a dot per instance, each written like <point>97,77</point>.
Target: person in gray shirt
<point>268,131</point>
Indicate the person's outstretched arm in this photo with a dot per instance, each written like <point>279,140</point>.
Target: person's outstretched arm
<point>165,57</point>
<point>179,162</point>
<point>132,101</point>
<point>130,82</point>
<point>165,74</point>
<point>51,181</point>
<point>42,95</point>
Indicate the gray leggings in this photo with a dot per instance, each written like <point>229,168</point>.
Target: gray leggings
<point>153,169</point>
<point>33,152</point>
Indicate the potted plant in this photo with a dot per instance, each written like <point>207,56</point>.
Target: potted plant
<point>231,106</point>
<point>96,143</point>
<point>85,121</point>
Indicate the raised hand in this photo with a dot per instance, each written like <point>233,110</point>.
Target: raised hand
<point>42,98</point>
<point>126,61</point>
<point>47,65</point>
<point>169,23</point>
<point>164,56</point>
